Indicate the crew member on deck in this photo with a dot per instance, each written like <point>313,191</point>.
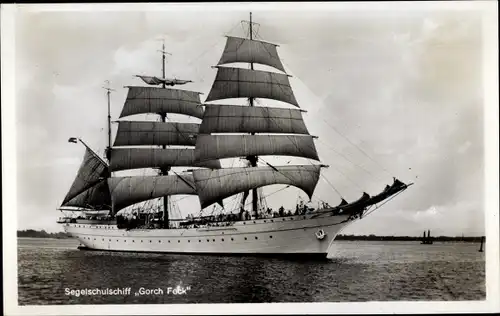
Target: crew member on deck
<point>281,210</point>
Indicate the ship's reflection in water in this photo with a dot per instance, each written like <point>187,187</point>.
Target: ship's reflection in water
<point>360,271</point>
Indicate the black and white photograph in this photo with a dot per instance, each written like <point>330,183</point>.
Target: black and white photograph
<point>301,157</point>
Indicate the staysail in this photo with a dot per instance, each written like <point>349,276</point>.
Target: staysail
<point>96,197</point>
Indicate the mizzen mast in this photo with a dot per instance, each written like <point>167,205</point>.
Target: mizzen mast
<point>108,92</point>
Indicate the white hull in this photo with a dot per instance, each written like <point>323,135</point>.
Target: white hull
<point>284,235</point>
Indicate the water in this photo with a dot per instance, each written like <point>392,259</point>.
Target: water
<point>360,271</point>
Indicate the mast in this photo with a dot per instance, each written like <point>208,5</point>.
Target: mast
<point>108,92</point>
<point>164,171</point>
<point>253,159</point>
<point>265,130</point>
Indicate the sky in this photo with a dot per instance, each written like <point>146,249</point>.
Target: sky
<point>388,93</point>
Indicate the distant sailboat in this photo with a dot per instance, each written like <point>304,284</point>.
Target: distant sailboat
<point>427,240</point>
<point>226,131</point>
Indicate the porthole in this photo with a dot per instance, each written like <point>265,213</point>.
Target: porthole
<point>110,240</point>
<point>141,240</point>
<point>254,222</point>
<point>222,239</point>
<point>124,240</point>
<point>208,240</point>
<point>264,221</point>
<point>272,221</point>
<point>256,237</point>
<point>283,219</point>
<point>133,240</point>
<point>199,240</point>
<point>245,238</point>
<point>117,240</point>
<point>94,238</point>
<point>159,241</point>
<point>169,241</point>
<point>244,223</point>
<point>150,241</point>
<point>304,217</point>
<point>178,241</point>
<point>270,236</point>
<point>232,239</point>
<point>189,240</point>
<point>213,240</point>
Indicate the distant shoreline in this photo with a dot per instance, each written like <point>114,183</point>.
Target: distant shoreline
<point>31,233</point>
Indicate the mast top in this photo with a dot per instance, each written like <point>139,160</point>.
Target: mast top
<point>108,86</point>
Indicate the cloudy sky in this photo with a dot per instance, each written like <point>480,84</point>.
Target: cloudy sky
<point>403,86</point>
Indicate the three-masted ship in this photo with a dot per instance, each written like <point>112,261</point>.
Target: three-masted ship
<point>111,211</point>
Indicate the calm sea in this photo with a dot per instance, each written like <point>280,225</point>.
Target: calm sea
<point>49,269</point>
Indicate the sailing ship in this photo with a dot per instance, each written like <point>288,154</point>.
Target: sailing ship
<point>111,211</point>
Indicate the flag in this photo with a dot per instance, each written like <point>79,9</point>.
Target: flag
<point>73,140</point>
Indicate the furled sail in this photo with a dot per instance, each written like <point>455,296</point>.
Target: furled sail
<point>96,197</point>
<point>142,100</point>
<point>136,158</point>
<point>214,185</point>
<point>154,81</point>
<point>126,191</point>
<point>242,50</point>
<point>251,119</point>
<point>210,147</point>
<point>132,133</point>
<point>92,170</point>
<point>246,83</point>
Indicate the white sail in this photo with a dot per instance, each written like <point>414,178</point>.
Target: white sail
<point>126,191</point>
<point>141,100</point>
<point>91,171</point>
<point>210,147</point>
<point>242,50</point>
<point>132,133</point>
<point>136,158</point>
<point>251,119</point>
<point>247,83</point>
<point>214,185</point>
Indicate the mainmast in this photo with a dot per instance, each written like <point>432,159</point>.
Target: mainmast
<point>261,130</point>
<point>253,159</point>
